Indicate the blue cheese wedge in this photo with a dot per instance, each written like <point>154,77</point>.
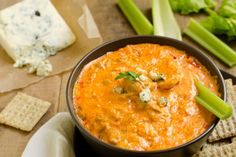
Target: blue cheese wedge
<point>31,31</point>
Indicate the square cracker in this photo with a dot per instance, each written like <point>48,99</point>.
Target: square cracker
<point>24,111</point>
<point>233,139</point>
<point>227,150</point>
<point>216,144</point>
<point>226,128</point>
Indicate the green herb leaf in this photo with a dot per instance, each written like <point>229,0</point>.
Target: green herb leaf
<point>228,8</point>
<point>191,6</point>
<point>216,24</point>
<point>132,76</point>
<point>210,3</point>
<point>205,38</point>
<point>220,25</point>
<point>139,22</point>
<point>212,102</point>
<point>164,21</point>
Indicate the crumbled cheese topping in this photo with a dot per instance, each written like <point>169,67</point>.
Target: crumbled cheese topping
<point>140,70</point>
<point>145,95</point>
<point>163,101</point>
<point>156,77</point>
<point>143,78</point>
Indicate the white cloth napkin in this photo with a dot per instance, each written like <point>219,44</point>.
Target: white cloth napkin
<point>53,139</point>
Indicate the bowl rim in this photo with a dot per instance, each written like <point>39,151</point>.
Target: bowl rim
<point>109,146</point>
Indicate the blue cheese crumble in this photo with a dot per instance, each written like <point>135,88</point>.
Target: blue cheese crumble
<point>31,31</point>
<point>145,95</point>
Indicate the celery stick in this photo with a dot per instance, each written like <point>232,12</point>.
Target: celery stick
<point>164,21</point>
<point>139,22</point>
<point>212,102</point>
<point>211,43</point>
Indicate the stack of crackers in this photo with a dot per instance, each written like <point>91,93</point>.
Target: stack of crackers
<point>222,141</point>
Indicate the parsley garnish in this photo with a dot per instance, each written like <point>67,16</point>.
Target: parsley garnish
<point>132,76</point>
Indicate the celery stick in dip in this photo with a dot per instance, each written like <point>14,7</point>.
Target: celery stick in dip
<point>212,102</point>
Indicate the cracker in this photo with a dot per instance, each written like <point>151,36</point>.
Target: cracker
<point>216,144</point>
<point>228,150</point>
<point>233,139</point>
<point>226,128</point>
<point>23,112</point>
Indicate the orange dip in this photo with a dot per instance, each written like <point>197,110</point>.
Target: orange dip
<point>115,111</point>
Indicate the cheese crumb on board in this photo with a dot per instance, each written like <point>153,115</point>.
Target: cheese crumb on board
<point>31,31</point>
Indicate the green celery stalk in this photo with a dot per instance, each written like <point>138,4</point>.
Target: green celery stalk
<point>164,21</point>
<point>212,102</point>
<point>139,22</point>
<point>205,38</point>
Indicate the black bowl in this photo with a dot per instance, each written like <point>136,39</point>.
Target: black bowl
<point>107,150</point>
